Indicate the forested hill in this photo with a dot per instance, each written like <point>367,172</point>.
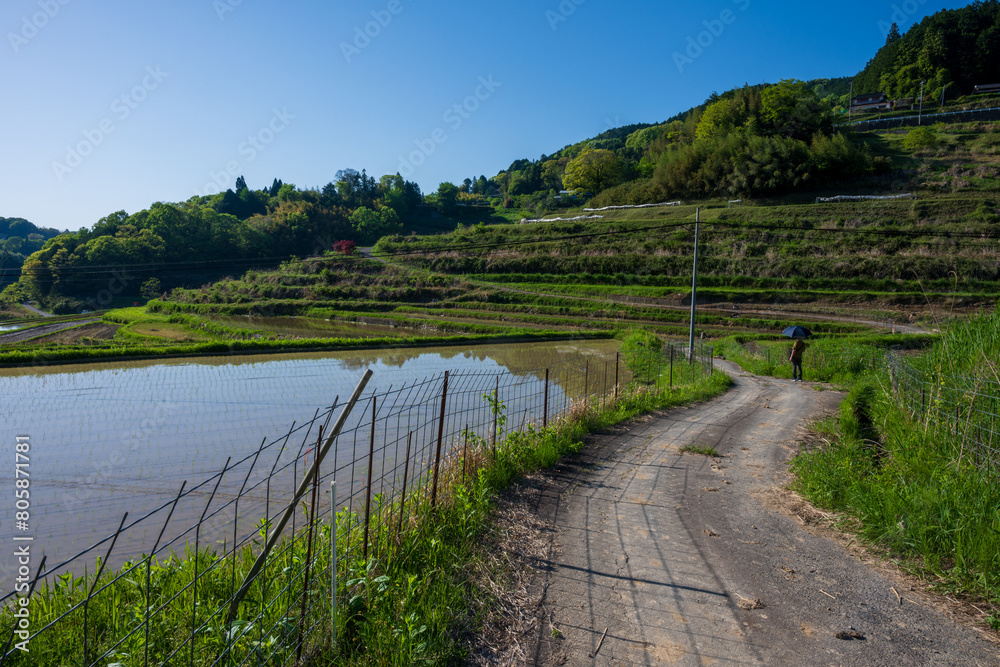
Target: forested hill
<point>18,239</point>
<point>957,48</point>
<point>11,228</point>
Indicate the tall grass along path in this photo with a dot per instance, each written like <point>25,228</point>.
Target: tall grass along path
<point>666,557</point>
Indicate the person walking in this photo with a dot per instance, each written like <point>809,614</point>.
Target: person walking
<point>798,347</point>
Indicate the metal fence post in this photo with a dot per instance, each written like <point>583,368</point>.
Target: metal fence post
<point>496,402</point>
<point>333,563</point>
<point>368,492</point>
<point>545,410</point>
<point>617,354</point>
<point>406,473</point>
<point>309,550</point>
<point>437,457</point>
<point>586,382</point>
<point>604,385</point>
<point>465,454</point>
<point>671,366</point>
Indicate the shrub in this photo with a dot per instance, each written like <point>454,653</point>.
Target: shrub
<point>918,138</point>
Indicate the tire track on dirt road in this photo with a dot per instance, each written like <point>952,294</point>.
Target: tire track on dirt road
<point>664,558</point>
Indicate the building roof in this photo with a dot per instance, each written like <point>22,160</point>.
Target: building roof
<point>869,98</point>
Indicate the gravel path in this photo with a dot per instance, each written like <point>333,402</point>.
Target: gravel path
<point>663,558</point>
<point>36,311</point>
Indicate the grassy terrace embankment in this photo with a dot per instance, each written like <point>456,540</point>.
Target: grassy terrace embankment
<point>885,245</point>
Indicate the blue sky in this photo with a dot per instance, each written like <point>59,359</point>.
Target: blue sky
<point>115,104</point>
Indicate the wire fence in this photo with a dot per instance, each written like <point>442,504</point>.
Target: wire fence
<point>963,410</point>
<point>818,356</point>
<point>256,578</point>
<point>966,116</point>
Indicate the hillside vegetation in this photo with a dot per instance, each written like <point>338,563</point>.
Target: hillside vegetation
<point>954,49</point>
<point>768,150</point>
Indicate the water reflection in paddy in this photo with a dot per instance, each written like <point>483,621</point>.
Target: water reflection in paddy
<point>116,437</point>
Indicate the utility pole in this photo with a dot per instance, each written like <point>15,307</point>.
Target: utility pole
<point>694,285</point>
<point>850,104</point>
<point>921,112</point>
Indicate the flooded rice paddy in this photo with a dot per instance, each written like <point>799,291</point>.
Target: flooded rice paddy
<point>122,437</point>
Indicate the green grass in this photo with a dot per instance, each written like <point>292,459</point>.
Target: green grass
<point>704,450</point>
<point>910,483</point>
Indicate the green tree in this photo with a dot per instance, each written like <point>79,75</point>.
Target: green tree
<point>151,289</point>
<point>790,108</point>
<point>370,226</point>
<point>893,34</point>
<point>447,195</point>
<point>288,192</point>
<point>552,173</point>
<point>481,187</point>
<point>737,109</point>
<point>14,293</point>
<point>593,170</point>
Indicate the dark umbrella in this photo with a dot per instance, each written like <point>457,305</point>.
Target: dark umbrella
<point>796,332</point>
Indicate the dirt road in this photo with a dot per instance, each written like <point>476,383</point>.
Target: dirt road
<point>659,557</point>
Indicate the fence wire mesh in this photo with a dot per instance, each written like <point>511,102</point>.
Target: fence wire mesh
<point>170,605</point>
<point>964,410</point>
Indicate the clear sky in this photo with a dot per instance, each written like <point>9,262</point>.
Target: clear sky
<point>114,104</point>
